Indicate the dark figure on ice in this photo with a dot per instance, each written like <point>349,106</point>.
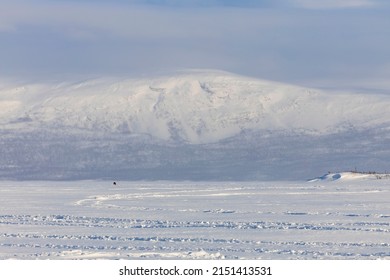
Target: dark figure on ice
<point>114,183</point>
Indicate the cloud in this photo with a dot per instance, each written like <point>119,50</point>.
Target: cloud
<point>88,37</point>
<point>271,40</point>
<point>4,27</point>
<point>334,4</point>
<point>136,23</point>
<point>80,20</point>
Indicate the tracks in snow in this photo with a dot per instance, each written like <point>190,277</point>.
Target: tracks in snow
<point>190,221</point>
<point>100,222</point>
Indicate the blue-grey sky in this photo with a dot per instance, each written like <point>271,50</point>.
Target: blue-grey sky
<point>332,42</point>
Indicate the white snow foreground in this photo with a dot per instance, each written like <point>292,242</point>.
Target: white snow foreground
<point>185,220</point>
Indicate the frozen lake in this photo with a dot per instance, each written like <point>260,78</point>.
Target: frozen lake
<point>343,219</point>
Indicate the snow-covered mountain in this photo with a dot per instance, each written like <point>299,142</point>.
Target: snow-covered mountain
<point>195,107</point>
<point>200,123</point>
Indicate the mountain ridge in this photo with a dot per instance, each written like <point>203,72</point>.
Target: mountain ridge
<point>197,108</point>
<point>197,125</point>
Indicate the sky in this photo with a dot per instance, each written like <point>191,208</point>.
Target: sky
<point>329,43</point>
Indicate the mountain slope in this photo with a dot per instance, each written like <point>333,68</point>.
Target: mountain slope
<point>196,107</point>
<point>194,125</point>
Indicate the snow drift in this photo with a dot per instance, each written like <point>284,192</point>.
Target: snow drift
<point>350,176</point>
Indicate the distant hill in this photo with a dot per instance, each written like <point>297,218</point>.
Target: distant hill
<point>197,125</point>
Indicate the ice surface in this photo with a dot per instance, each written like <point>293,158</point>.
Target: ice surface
<point>342,219</point>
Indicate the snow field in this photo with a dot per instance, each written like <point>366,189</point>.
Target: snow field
<point>343,219</point>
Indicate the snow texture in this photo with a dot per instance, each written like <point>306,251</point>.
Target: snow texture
<point>353,175</point>
<point>185,220</point>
